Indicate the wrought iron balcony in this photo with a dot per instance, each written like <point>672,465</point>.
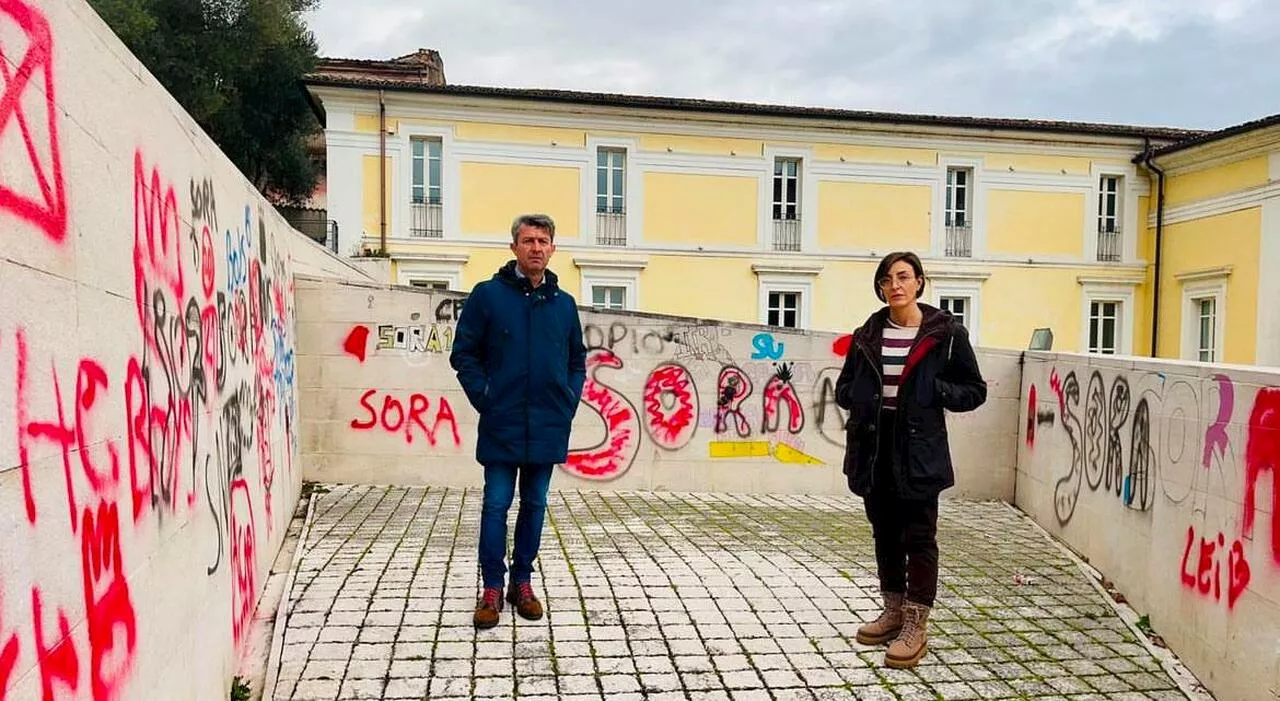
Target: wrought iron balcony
<point>611,228</point>
<point>426,219</point>
<point>959,242</point>
<point>786,234</point>
<point>1109,245</point>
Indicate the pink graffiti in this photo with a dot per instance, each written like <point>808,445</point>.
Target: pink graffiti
<point>1055,384</point>
<point>1031,417</point>
<point>1207,574</point>
<point>670,406</point>
<point>777,391</point>
<point>113,630</point>
<point>1263,454</point>
<point>732,389</point>
<point>243,563</point>
<point>613,456</point>
<point>1215,437</point>
<point>32,82</point>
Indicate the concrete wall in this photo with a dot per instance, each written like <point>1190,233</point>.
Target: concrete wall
<point>381,404</point>
<point>148,465</point>
<point>1163,475</point>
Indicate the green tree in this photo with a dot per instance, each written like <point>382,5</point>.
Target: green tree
<point>235,66</point>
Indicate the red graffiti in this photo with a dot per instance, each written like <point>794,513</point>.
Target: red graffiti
<point>206,262</point>
<point>612,457</point>
<point>58,663</point>
<point>243,562</point>
<point>841,345</point>
<point>1215,437</point>
<point>357,342</point>
<point>24,456</point>
<point>1207,576</point>
<point>113,630</point>
<point>393,417</point>
<point>156,436</point>
<point>670,406</point>
<point>1031,417</point>
<point>732,389</point>
<point>1055,384</point>
<point>156,244</point>
<point>32,82</point>
<point>1263,454</point>
<point>777,391</point>
<point>8,655</point>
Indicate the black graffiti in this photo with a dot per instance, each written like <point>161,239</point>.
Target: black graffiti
<point>1141,457</point>
<point>1066,491</point>
<point>1119,415</point>
<point>449,309</point>
<point>733,389</point>
<point>235,434</point>
<point>649,342</point>
<point>203,205</point>
<point>828,415</point>
<point>699,343</point>
<point>1045,418</point>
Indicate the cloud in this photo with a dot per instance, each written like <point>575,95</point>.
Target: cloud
<point>1180,62</point>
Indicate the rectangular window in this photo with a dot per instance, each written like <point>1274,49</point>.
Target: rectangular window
<point>1104,322</point>
<point>1206,311</point>
<point>1109,189</point>
<point>786,204</point>
<point>610,178</point>
<point>784,309</point>
<point>425,216</point>
<point>611,200</point>
<point>609,297</point>
<point>958,306</point>
<point>430,284</point>
<point>957,212</point>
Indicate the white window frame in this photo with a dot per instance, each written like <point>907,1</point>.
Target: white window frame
<point>444,267</point>
<point>970,289</point>
<point>1130,188</point>
<point>400,176</point>
<point>633,197</point>
<point>808,203</point>
<point>977,208</point>
<point>1109,290</point>
<point>786,278</point>
<point>589,293</point>
<point>610,272</point>
<point>1198,285</point>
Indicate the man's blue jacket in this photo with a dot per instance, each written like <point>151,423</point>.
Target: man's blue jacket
<point>519,356</point>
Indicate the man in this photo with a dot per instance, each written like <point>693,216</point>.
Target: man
<point>520,358</point>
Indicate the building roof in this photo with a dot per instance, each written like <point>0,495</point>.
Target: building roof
<point>1212,136</point>
<point>402,75</point>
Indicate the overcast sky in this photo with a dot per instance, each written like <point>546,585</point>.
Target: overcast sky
<point>1185,63</point>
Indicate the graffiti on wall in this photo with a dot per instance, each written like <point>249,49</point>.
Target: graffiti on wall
<point>1149,438</point>
<point>191,401</point>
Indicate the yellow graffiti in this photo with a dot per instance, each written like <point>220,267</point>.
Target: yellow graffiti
<point>739,449</point>
<point>760,449</point>
<point>785,453</point>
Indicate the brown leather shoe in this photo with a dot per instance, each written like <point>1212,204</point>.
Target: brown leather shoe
<point>488,608</point>
<point>887,626</point>
<point>527,605</point>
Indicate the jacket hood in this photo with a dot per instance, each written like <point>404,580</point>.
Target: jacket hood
<point>934,320</point>
<point>507,275</point>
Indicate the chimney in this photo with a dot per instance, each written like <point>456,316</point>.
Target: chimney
<point>428,63</point>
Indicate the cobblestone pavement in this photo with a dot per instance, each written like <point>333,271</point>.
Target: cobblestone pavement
<point>689,596</point>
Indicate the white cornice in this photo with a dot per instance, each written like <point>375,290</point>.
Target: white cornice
<point>1216,273</point>
<point>786,268</point>
<point>1128,281</point>
<point>610,263</point>
<point>958,275</point>
<point>1222,204</point>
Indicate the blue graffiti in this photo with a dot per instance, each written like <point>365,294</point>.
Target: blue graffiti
<point>766,347</point>
<point>238,252</point>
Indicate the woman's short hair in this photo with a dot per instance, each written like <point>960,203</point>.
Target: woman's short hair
<point>882,271</point>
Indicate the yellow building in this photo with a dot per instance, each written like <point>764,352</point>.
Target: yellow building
<point>778,215</point>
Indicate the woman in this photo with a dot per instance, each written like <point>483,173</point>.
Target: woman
<point>905,365</point>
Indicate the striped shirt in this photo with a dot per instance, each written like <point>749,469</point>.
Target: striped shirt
<point>897,343</point>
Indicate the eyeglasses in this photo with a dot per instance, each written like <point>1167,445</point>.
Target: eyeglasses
<point>902,279</point>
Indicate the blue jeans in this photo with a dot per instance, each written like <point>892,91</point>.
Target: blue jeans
<point>499,490</point>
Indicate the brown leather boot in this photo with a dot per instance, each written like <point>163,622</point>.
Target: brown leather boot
<point>527,605</point>
<point>488,608</point>
<point>911,644</point>
<point>886,627</point>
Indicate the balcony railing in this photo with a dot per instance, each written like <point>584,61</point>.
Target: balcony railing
<point>786,234</point>
<point>959,242</point>
<point>611,228</point>
<point>426,219</point>
<point>1109,245</point>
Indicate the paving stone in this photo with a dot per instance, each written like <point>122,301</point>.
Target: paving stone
<point>688,596</point>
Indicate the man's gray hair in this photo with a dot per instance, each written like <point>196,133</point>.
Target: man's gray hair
<point>537,221</point>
